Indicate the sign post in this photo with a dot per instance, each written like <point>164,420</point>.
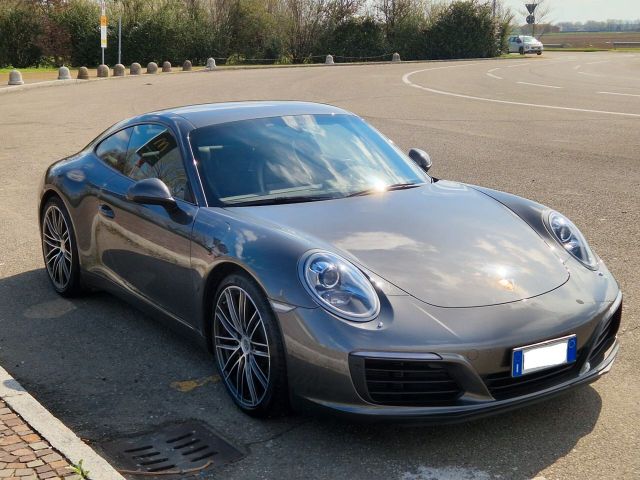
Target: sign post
<point>103,27</point>
<point>531,19</point>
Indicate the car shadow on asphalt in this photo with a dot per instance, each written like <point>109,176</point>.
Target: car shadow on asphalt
<point>107,371</point>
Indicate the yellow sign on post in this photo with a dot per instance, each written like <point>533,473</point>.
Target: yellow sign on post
<point>103,31</point>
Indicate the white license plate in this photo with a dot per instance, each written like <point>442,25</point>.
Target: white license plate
<point>533,358</point>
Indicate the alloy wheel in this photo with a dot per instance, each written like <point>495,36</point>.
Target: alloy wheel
<point>56,243</point>
<point>242,347</point>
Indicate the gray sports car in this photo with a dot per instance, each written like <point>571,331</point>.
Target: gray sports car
<point>323,267</point>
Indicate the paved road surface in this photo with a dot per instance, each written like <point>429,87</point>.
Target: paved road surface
<point>563,129</point>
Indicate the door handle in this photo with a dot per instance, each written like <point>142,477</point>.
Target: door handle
<point>106,211</point>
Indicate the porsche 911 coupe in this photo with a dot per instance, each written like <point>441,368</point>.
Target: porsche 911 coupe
<point>323,267</point>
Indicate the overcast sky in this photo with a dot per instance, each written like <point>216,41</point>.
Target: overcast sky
<point>581,10</point>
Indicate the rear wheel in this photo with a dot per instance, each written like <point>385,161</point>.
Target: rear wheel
<point>248,348</point>
<point>59,248</point>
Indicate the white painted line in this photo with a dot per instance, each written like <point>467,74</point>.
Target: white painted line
<point>621,94</point>
<point>53,430</point>
<point>521,64</point>
<point>493,76</point>
<point>591,74</point>
<point>406,76</point>
<point>577,67</point>
<point>538,85</point>
<point>597,63</point>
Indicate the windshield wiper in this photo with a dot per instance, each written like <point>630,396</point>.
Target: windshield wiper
<point>395,186</point>
<point>278,201</point>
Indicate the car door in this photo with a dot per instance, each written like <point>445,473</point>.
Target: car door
<point>147,248</point>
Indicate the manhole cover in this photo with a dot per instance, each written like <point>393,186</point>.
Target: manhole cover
<point>173,451</point>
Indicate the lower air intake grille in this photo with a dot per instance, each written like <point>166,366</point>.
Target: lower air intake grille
<point>410,382</point>
<point>606,337</point>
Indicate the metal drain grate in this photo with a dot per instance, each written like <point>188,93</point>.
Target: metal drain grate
<point>172,451</point>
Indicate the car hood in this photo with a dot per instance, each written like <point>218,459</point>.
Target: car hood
<point>443,243</point>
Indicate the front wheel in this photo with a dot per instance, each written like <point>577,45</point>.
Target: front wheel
<point>539,53</point>
<point>248,348</point>
<point>59,249</point>
<point>521,51</point>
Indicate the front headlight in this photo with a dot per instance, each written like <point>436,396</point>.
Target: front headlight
<point>339,286</point>
<point>571,239</point>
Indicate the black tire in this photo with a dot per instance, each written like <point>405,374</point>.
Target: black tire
<point>272,398</point>
<point>71,285</point>
<point>539,53</point>
<point>521,50</point>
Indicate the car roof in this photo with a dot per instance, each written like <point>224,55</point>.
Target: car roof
<point>216,113</point>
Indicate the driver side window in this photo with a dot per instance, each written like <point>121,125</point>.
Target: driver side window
<point>153,153</point>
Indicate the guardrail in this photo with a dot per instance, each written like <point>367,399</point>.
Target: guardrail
<point>554,45</point>
<point>625,43</point>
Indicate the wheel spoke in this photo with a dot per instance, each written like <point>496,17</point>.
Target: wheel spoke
<point>228,373</point>
<point>227,325</point>
<point>257,324</point>
<point>231,355</point>
<point>260,376</point>
<point>47,221</point>
<point>248,373</point>
<point>66,269</point>
<point>232,311</point>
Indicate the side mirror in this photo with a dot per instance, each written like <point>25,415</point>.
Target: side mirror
<point>151,191</point>
<point>422,158</point>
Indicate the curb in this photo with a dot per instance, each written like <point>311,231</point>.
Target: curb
<point>53,430</point>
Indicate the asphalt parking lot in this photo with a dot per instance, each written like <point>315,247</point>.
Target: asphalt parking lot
<point>562,129</point>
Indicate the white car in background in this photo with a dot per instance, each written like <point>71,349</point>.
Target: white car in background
<point>523,44</point>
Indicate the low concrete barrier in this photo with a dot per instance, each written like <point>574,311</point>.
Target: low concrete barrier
<point>15,78</point>
<point>135,69</point>
<point>396,57</point>
<point>103,71</point>
<point>118,70</point>
<point>152,68</point>
<point>329,60</point>
<point>211,64</point>
<point>64,73</point>
<point>186,66</point>
<point>166,67</point>
<point>83,73</point>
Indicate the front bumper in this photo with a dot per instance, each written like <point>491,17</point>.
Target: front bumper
<point>326,360</point>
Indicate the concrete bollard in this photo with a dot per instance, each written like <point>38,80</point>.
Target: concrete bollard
<point>396,57</point>
<point>186,66</point>
<point>118,70</point>
<point>135,69</point>
<point>152,68</point>
<point>329,60</point>
<point>15,78</point>
<point>166,67</point>
<point>103,71</point>
<point>211,64</point>
<point>64,73</point>
<point>83,73</point>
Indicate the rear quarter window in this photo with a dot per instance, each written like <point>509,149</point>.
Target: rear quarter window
<point>113,149</point>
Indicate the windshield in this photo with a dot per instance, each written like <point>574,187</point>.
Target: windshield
<point>298,158</point>
<point>530,39</point>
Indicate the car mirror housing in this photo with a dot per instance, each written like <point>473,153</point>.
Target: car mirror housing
<point>151,191</point>
<point>422,158</point>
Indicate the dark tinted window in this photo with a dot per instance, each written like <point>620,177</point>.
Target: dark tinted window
<point>113,150</point>
<point>154,153</point>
